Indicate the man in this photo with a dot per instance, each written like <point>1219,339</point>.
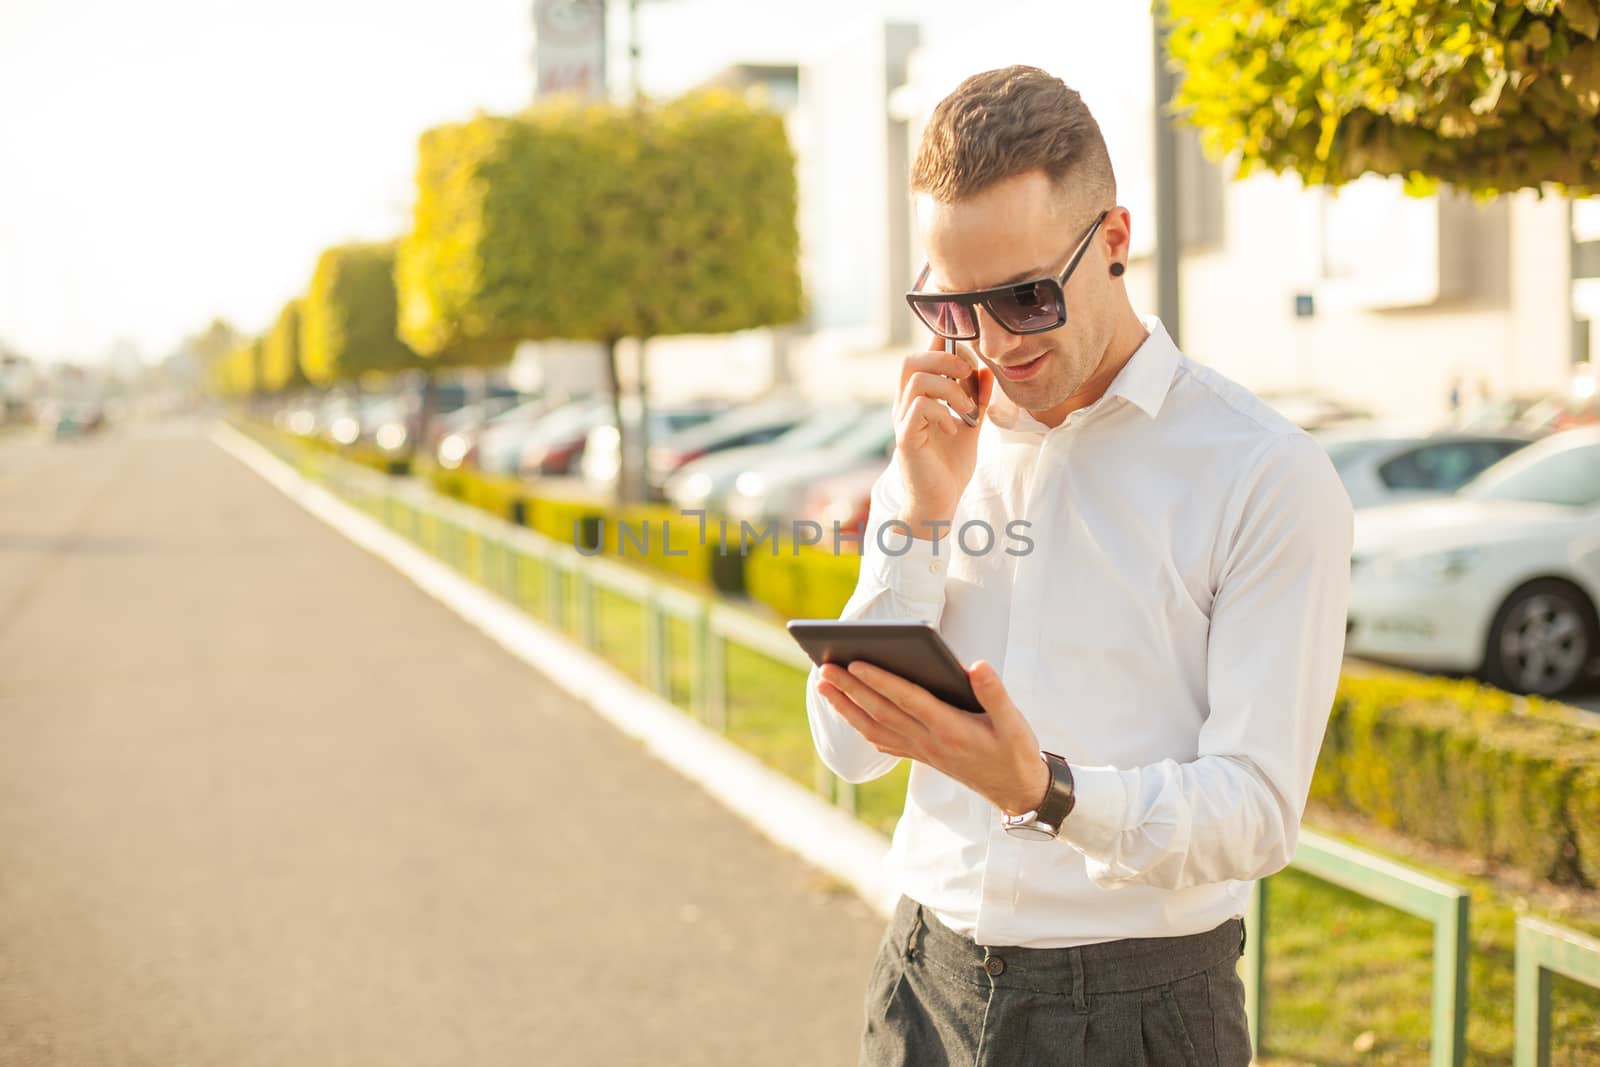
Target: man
<point>1157,657</point>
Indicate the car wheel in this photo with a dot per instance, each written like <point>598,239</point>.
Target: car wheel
<point>1542,639</point>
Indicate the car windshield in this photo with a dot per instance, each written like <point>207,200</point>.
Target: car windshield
<point>1555,472</point>
<point>676,420</point>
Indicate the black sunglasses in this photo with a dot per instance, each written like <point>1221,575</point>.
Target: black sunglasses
<point>1021,307</point>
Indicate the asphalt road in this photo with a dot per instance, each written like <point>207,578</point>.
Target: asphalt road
<point>263,802</point>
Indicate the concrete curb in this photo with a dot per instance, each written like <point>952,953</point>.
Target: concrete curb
<point>787,814</point>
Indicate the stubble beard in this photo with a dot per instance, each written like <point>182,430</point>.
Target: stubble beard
<point>1061,377</point>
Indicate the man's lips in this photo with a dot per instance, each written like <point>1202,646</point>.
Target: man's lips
<point>1018,371</point>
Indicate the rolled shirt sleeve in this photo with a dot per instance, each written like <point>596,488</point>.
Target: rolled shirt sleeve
<point>1273,659</point>
<point>902,577</point>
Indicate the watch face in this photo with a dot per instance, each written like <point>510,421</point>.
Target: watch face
<point>1030,832</point>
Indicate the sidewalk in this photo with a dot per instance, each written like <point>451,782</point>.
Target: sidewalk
<point>264,802</point>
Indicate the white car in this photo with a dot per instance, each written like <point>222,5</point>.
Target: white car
<point>1392,468</point>
<point>1499,580</point>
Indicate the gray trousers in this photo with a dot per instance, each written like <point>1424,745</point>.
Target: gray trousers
<point>936,998</point>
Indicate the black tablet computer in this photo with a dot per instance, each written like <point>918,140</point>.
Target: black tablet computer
<point>910,648</point>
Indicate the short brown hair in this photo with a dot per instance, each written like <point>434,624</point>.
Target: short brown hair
<point>1006,122</point>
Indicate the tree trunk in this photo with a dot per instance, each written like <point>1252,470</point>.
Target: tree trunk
<point>641,483</point>
<point>430,393</point>
<point>614,384</point>
<point>782,371</point>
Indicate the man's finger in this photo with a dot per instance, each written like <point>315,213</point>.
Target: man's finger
<point>948,364</point>
<point>908,697</point>
<point>987,687</point>
<point>925,383</point>
<point>926,412</point>
<point>872,701</point>
<point>869,728</point>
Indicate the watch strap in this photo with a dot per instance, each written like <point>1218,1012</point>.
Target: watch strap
<point>1059,797</point>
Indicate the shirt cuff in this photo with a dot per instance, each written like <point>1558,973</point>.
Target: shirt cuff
<point>912,568</point>
<point>1099,811</point>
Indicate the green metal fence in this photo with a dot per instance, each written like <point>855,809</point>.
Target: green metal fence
<point>1375,878</point>
<point>1545,950</point>
<point>504,557</point>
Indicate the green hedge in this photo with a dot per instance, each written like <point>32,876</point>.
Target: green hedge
<point>805,581</point>
<point>1583,815</point>
<point>1467,767</point>
<point>811,583</point>
<point>365,455</point>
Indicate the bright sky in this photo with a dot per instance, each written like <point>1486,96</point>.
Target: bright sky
<point>164,161</point>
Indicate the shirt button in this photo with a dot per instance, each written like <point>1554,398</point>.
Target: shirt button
<point>994,966</point>
<point>935,566</point>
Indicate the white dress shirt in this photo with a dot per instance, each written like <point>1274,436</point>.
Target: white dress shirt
<point>1175,632</point>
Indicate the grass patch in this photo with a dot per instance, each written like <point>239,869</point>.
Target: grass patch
<point>1349,981</point>
<point>767,713</point>
<point>621,632</point>
<point>680,665</point>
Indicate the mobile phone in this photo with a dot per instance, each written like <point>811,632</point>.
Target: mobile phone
<point>970,382</point>
<point>909,648</point>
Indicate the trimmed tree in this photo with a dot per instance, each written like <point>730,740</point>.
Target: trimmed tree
<point>237,374</point>
<point>347,318</point>
<point>597,222</point>
<point>280,357</point>
<point>1490,97</point>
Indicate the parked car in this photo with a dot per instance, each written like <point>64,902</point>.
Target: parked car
<point>554,445</point>
<point>843,499</point>
<point>1314,411</point>
<point>346,417</point>
<point>74,418</point>
<point>1500,579</point>
<point>451,436</point>
<point>742,427</point>
<point>777,492</point>
<point>1577,403</point>
<point>299,416</point>
<point>1510,414</point>
<point>602,456</point>
<point>390,423</point>
<point>706,483</point>
<point>1381,468</point>
<point>497,448</point>
<point>397,425</point>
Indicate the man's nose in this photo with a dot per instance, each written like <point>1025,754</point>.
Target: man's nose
<point>994,340</point>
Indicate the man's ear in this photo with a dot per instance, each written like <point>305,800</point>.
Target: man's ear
<point>1118,231</point>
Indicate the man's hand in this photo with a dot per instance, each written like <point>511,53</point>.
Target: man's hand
<point>995,755</point>
<point>935,450</point>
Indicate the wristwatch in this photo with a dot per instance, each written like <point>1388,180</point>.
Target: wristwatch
<point>1044,822</point>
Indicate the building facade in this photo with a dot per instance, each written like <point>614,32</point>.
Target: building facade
<point>1385,302</point>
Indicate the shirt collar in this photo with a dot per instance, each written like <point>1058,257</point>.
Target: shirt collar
<point>1143,381</point>
<point>1147,377</point>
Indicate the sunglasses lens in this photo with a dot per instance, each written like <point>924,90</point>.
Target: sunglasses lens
<point>947,318</point>
<point>1037,306</point>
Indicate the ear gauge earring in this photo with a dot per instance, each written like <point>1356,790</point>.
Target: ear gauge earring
<point>1117,269</point>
